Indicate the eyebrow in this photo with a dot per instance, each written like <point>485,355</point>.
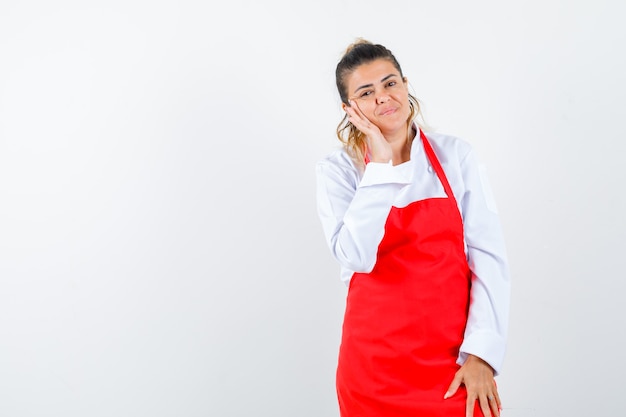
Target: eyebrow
<point>371,85</point>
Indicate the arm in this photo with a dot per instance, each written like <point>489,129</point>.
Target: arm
<point>482,351</point>
<point>486,330</point>
<point>353,211</point>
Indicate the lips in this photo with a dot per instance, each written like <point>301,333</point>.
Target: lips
<point>387,112</point>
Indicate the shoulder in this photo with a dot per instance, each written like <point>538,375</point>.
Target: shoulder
<point>448,147</point>
<point>337,169</point>
<point>337,162</point>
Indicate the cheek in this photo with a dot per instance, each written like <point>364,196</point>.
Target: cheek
<point>404,102</point>
<point>402,98</point>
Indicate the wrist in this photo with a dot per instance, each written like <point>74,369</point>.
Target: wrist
<point>473,359</point>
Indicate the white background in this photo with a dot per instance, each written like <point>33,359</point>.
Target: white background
<point>160,252</point>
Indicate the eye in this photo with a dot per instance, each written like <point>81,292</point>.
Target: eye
<point>391,83</point>
<point>366,93</point>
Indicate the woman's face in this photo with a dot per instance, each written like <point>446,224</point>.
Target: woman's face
<point>382,95</point>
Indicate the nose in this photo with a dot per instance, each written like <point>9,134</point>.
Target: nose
<point>382,98</point>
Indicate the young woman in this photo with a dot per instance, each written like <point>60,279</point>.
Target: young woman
<point>410,218</point>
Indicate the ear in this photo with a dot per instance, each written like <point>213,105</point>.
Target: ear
<point>405,80</point>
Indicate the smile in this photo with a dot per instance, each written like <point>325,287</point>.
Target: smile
<point>388,112</point>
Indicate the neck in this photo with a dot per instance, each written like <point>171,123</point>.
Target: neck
<point>401,145</point>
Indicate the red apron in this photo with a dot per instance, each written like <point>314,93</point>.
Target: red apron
<point>404,321</point>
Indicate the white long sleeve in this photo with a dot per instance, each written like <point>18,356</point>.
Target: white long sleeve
<point>353,206</point>
<point>354,210</point>
<point>487,323</point>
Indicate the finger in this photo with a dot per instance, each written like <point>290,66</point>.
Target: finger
<point>357,110</point>
<point>484,406</point>
<point>469,406</point>
<point>454,386</point>
<point>356,117</point>
<point>497,402</point>
<point>350,111</point>
<point>497,395</point>
<point>351,107</point>
<point>355,120</point>
<point>358,123</point>
<point>493,404</point>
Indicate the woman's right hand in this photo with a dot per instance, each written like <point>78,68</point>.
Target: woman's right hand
<point>377,145</point>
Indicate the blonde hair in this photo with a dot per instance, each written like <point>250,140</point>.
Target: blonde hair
<point>358,53</point>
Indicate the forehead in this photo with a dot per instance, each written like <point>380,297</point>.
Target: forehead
<point>370,73</point>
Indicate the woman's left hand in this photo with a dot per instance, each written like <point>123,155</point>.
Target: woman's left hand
<point>477,376</point>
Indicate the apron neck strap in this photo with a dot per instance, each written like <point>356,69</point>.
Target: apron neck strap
<point>434,161</point>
